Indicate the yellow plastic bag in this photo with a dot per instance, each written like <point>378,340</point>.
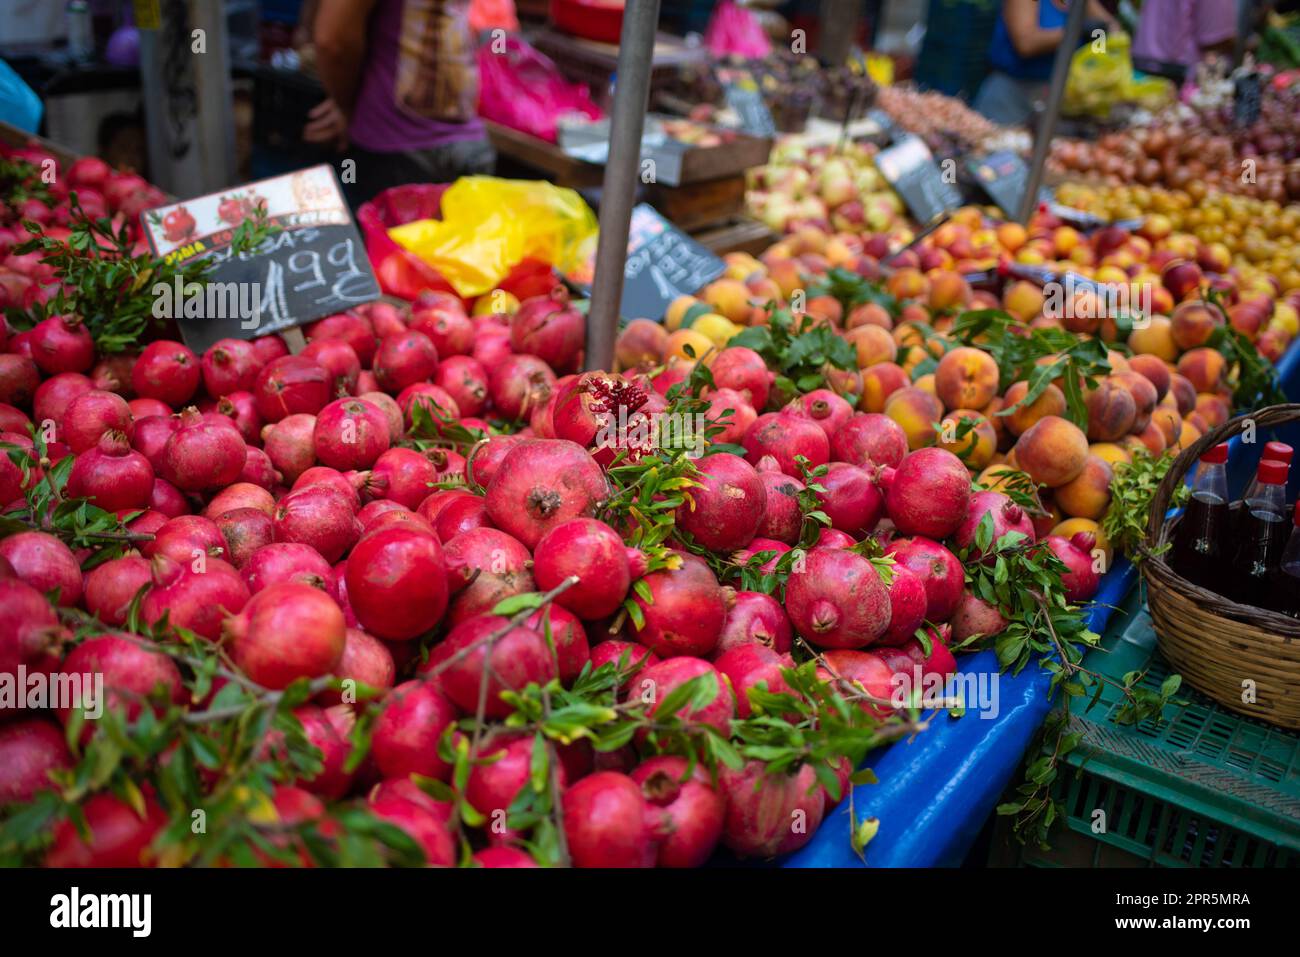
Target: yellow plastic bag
<point>488,225</point>
<point>1101,78</point>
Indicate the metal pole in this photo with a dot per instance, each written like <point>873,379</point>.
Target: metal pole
<point>1047,125</point>
<point>839,28</point>
<point>618,190</point>
<point>185,77</point>
<point>1245,17</point>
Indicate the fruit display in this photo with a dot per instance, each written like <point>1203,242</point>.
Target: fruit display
<point>793,87</point>
<point>1199,151</point>
<point>948,126</point>
<point>1259,238</point>
<point>816,185</point>
<point>919,349</point>
<point>424,593</point>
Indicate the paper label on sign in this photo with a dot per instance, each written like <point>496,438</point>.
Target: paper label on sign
<point>313,263</point>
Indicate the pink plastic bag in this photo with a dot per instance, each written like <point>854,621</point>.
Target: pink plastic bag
<point>734,30</point>
<point>523,89</point>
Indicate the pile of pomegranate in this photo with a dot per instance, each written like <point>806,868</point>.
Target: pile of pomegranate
<point>362,514</point>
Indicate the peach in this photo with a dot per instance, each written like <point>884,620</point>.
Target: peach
<point>1156,339</point>
<point>907,283</point>
<point>916,411</point>
<point>1170,424</point>
<point>998,477</point>
<point>1194,322</point>
<point>1012,236</point>
<point>977,447</point>
<point>1203,367</point>
<point>999,422</point>
<point>869,314</point>
<point>1051,402</point>
<point>641,345</point>
<point>1110,453</point>
<point>826,307</point>
<point>966,378</point>
<point>1052,451</point>
<point>1088,493</point>
<point>728,297</point>
<point>688,344</point>
<point>879,382</point>
<point>764,289</point>
<point>1112,410</point>
<point>1144,396</point>
<point>914,312</point>
<point>948,290</point>
<point>787,276</point>
<point>1073,526</point>
<point>1188,435</point>
<point>1154,370</point>
<point>874,344</point>
<point>810,239</point>
<point>680,308</point>
<point>1153,437</point>
<point>926,382</point>
<point>1023,300</point>
<point>1184,393</point>
<point>1213,409</point>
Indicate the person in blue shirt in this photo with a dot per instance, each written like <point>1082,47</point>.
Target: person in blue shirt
<point>1024,45</point>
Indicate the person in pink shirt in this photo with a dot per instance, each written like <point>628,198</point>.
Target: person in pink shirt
<point>1173,35</point>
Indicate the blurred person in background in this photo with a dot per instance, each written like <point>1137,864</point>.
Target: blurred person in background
<point>1174,35</point>
<point>1024,45</point>
<point>402,84</point>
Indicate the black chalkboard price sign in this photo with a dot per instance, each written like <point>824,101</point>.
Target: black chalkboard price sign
<point>1246,89</point>
<point>1004,176</point>
<point>312,264</point>
<point>910,168</point>
<point>743,96</point>
<point>662,264</point>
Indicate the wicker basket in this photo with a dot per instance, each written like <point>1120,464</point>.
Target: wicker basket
<point>1214,643</point>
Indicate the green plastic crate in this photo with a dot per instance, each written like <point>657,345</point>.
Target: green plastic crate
<point>1202,788</point>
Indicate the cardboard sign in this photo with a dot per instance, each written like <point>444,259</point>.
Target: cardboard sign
<point>910,168</point>
<point>662,264</point>
<point>313,263</point>
<point>1004,176</point>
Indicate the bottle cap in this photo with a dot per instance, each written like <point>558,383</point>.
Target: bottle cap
<point>1217,455</point>
<point>1278,452</point>
<point>1272,473</point>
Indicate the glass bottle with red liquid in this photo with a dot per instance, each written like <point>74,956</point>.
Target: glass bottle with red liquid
<point>1286,579</point>
<point>1260,538</point>
<point>1198,541</point>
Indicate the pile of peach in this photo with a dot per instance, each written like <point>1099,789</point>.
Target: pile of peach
<point>1166,387</point>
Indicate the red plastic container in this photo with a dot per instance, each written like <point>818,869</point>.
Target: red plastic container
<point>592,20</point>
